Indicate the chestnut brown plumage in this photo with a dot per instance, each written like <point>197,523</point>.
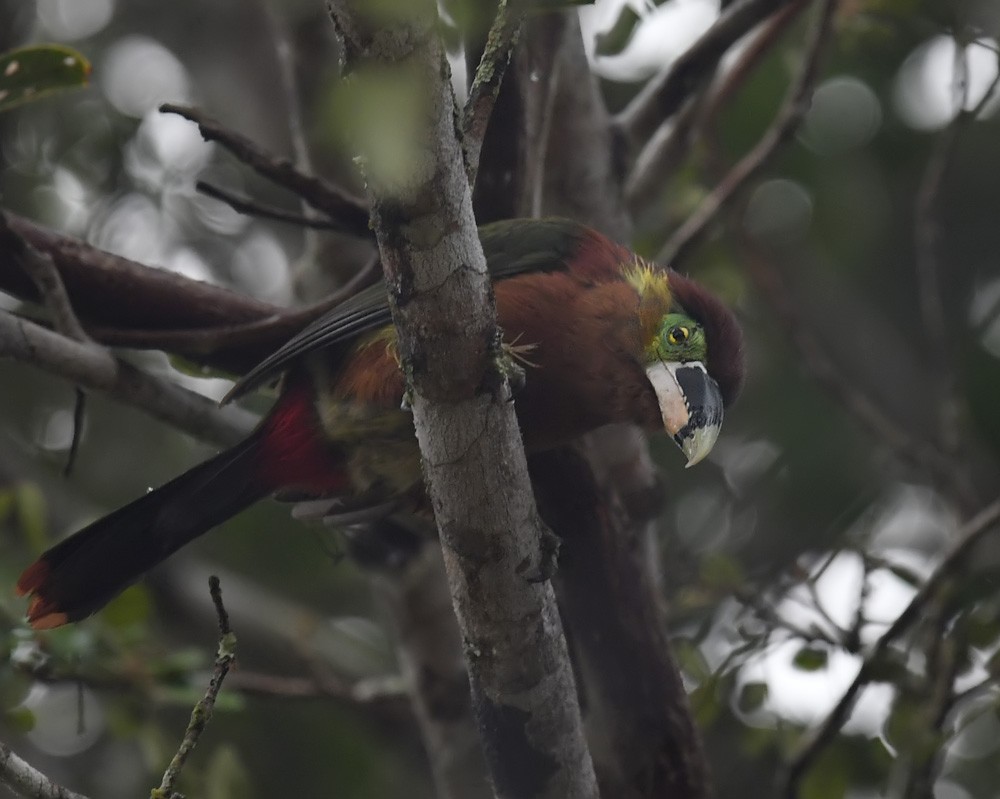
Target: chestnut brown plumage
<point>601,337</point>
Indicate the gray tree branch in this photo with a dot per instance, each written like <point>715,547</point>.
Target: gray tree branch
<point>94,367</point>
<point>475,471</point>
<point>25,780</point>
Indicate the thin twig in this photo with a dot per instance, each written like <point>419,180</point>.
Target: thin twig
<point>749,59</point>
<point>338,204</point>
<point>663,154</point>
<point>970,534</point>
<point>784,125</point>
<point>928,270</point>
<point>79,410</point>
<point>202,712</point>
<point>478,109</point>
<point>25,780</point>
<point>250,207</point>
<point>541,65</point>
<point>43,273</point>
<point>922,758</point>
<point>660,98</point>
<point>95,368</point>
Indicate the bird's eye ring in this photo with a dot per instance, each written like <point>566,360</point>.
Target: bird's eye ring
<point>678,334</point>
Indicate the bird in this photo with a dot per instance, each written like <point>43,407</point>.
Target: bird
<point>599,335</point>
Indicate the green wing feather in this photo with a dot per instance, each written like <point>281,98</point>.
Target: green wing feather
<point>512,247</point>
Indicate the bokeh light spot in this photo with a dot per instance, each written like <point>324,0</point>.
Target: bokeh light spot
<point>68,20</point>
<point>845,114</point>
<point>139,73</point>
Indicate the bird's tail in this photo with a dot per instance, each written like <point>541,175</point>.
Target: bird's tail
<point>81,574</point>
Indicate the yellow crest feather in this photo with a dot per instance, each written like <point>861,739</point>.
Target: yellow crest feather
<point>655,299</point>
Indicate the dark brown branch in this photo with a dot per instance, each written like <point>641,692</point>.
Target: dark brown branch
<point>202,712</point>
<point>660,98</point>
<point>955,560</point>
<point>928,271</point>
<point>339,205</point>
<point>249,207</point>
<point>616,539</point>
<point>635,692</point>
<point>27,781</point>
<point>486,85</point>
<point>780,131</point>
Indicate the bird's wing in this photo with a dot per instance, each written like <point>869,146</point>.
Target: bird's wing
<point>512,247</point>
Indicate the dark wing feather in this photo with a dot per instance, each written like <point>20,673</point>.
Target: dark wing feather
<point>512,247</point>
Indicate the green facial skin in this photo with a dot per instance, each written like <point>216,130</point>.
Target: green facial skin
<point>679,340</point>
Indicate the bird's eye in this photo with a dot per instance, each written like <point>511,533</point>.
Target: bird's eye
<point>678,334</point>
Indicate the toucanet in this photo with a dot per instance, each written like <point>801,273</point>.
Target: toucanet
<point>603,337</point>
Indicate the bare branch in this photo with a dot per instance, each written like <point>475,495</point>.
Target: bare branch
<point>751,56</point>
<point>338,204</point>
<point>25,780</point>
<point>202,713</point>
<point>928,271</point>
<point>663,154</point>
<point>968,537</point>
<point>660,98</point>
<point>539,62</point>
<point>781,130</point>
<point>245,205</point>
<point>95,368</point>
<point>486,85</point>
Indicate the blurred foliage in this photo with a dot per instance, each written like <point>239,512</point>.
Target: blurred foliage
<point>790,552</point>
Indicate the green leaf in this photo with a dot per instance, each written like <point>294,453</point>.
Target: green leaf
<point>29,73</point>
<point>810,659</point>
<point>752,696</point>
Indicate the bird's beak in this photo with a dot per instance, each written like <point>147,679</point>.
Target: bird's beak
<point>690,404</point>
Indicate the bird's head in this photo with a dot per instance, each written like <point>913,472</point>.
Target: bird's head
<point>692,354</point>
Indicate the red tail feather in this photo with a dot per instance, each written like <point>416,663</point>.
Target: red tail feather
<point>81,574</point>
